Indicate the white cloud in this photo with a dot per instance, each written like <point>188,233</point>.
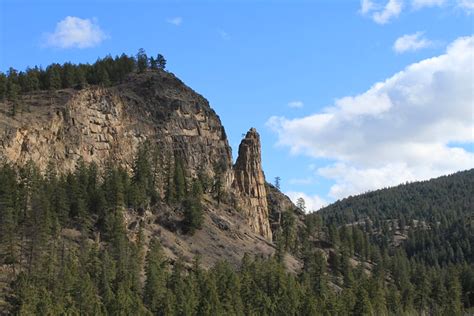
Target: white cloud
<point>176,21</point>
<point>466,5</point>
<point>295,104</point>
<point>411,42</point>
<point>391,10</point>
<point>224,35</point>
<point>398,130</point>
<point>312,202</point>
<point>366,6</point>
<point>418,4</point>
<point>350,180</point>
<point>381,14</point>
<point>384,12</point>
<point>303,181</point>
<point>74,32</point>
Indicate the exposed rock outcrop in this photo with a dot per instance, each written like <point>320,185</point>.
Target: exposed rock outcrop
<point>277,204</point>
<point>249,180</point>
<point>107,124</point>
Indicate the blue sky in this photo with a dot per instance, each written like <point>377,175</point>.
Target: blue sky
<point>284,67</point>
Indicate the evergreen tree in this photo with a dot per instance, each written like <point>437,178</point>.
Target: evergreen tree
<point>3,85</point>
<point>161,61</point>
<point>179,180</point>
<point>277,182</point>
<point>153,63</point>
<point>193,215</point>
<point>32,82</point>
<point>454,291</point>
<point>103,76</point>
<point>142,60</point>
<point>68,75</point>
<point>288,226</point>
<point>363,305</point>
<point>154,292</point>
<point>13,91</point>
<point>54,77</point>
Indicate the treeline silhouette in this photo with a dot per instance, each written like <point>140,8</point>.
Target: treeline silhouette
<point>105,71</point>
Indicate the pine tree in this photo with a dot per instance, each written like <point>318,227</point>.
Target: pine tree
<point>228,288</point>
<point>363,305</point>
<point>13,91</point>
<point>142,60</point>
<point>54,77</point>
<point>80,77</point>
<point>301,204</point>
<point>183,290</point>
<point>32,82</point>
<point>277,182</point>
<point>454,290</point>
<point>316,269</point>
<point>153,63</point>
<point>7,215</point>
<point>87,296</point>
<point>288,226</point>
<point>193,215</point>
<point>103,76</point>
<point>154,292</point>
<point>144,188</point>
<point>68,75</point>
<point>3,85</point>
<point>179,180</point>
<point>161,61</point>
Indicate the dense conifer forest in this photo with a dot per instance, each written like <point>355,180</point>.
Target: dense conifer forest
<point>353,264</point>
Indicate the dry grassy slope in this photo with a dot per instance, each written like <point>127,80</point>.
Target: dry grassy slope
<point>225,235</point>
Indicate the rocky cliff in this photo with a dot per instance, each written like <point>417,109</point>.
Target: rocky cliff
<point>107,124</point>
<point>249,181</point>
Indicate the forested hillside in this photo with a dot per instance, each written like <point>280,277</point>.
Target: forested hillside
<point>419,236</point>
<point>352,267</point>
<point>119,196</point>
<point>436,217</point>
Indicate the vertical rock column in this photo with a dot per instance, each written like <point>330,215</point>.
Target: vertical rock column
<point>249,181</point>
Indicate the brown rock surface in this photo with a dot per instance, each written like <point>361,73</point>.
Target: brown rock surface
<point>104,125</point>
<point>249,180</point>
<point>107,124</point>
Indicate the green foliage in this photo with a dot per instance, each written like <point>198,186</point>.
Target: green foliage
<point>142,60</point>
<point>161,62</point>
<point>3,86</point>
<point>142,192</point>
<point>54,275</point>
<point>193,215</point>
<point>288,226</point>
<point>106,71</point>
<point>155,291</point>
<point>179,179</point>
<point>53,73</point>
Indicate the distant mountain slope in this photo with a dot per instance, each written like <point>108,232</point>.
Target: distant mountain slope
<point>433,221</point>
<point>433,200</point>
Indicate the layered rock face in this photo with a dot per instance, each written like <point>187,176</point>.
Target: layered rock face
<point>249,180</point>
<point>91,125</point>
<point>106,125</point>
